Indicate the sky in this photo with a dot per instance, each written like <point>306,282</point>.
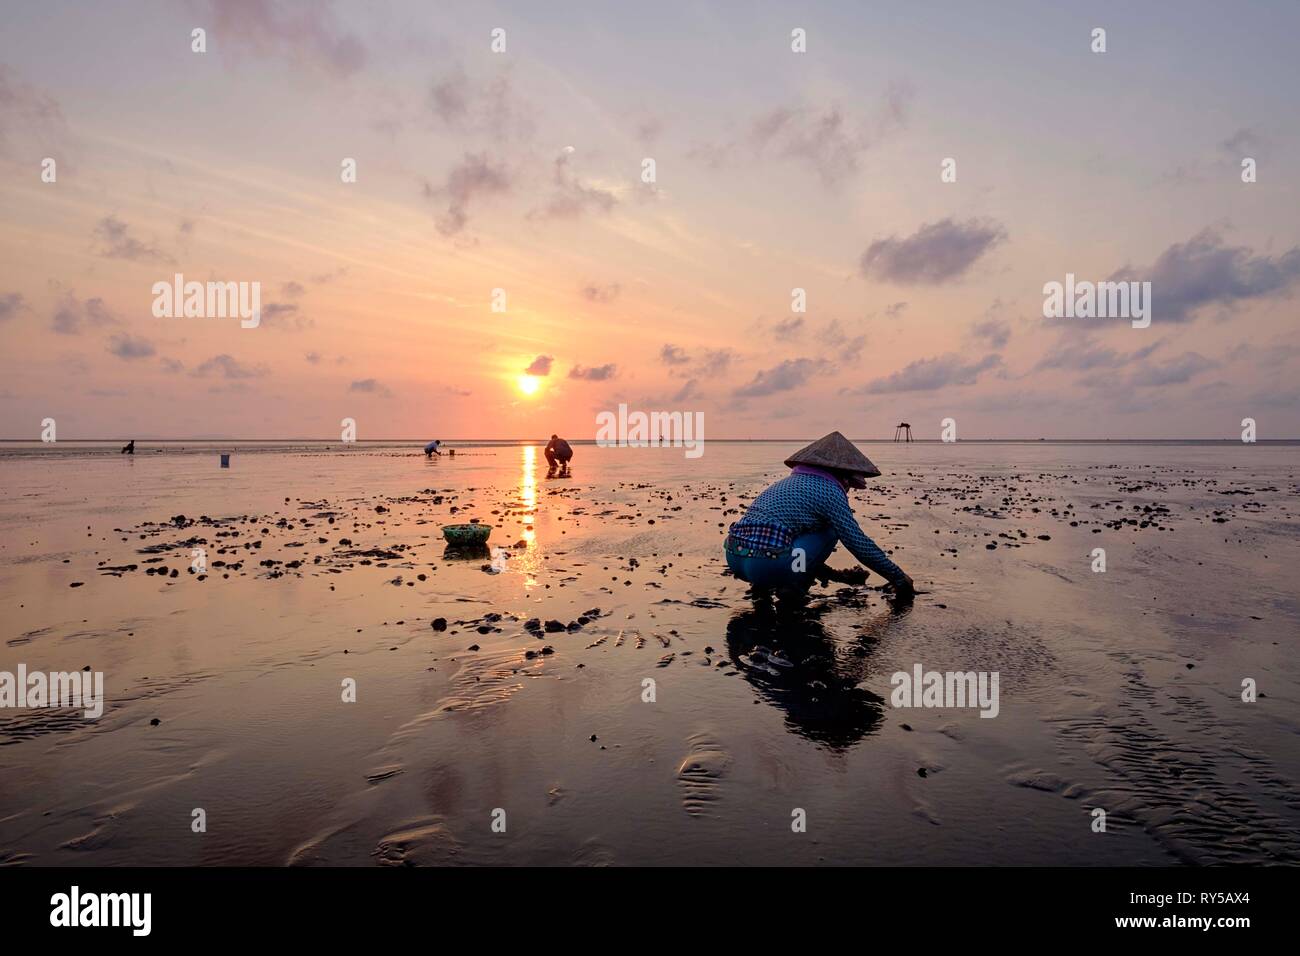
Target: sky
<point>502,268</point>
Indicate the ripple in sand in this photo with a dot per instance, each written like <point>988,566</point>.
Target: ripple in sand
<point>700,774</point>
<point>486,679</point>
<point>23,725</point>
<point>1185,791</point>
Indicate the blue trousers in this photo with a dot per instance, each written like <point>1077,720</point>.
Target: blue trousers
<point>779,572</point>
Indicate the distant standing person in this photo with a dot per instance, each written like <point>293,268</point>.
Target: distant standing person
<point>129,448</point>
<point>558,452</point>
<point>431,449</point>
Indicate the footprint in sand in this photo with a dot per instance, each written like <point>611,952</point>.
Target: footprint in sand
<point>699,776</point>
<point>428,843</point>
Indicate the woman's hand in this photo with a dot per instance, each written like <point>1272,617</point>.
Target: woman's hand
<point>904,585</point>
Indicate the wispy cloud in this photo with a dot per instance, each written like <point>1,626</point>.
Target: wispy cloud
<point>227,366</point>
<point>938,252</point>
<point>370,386</point>
<point>594,292</point>
<point>927,375</point>
<point>829,139</point>
<point>572,197</point>
<point>540,365</point>
<point>116,242</point>
<point>473,177</point>
<point>992,332</point>
<point>10,305</point>
<point>788,375</point>
<point>673,355</point>
<point>599,373</point>
<point>131,347</point>
<point>73,316</point>
<point>787,330</point>
<point>305,32</point>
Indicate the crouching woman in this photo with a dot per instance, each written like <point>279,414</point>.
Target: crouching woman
<point>789,530</point>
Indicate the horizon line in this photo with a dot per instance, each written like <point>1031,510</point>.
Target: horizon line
<point>593,441</point>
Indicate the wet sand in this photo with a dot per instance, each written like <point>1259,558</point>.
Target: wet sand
<point>519,687</point>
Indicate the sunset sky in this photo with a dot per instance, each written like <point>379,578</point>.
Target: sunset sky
<point>521,171</point>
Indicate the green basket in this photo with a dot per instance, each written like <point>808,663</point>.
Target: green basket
<point>466,535</point>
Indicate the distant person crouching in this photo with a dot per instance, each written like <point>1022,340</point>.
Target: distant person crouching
<point>558,452</point>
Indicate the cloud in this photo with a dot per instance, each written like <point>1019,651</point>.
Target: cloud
<point>370,386</point>
<point>303,31</point>
<point>572,197</point>
<point>715,362</point>
<point>1244,142</point>
<point>648,130</point>
<point>1202,271</point>
<point>788,329</point>
<point>322,278</point>
<point>995,333</point>
<point>228,367</point>
<point>1273,354</point>
<point>688,392</point>
<point>825,138</point>
<point>116,242</point>
<point>673,355</point>
<point>599,373</point>
<point>709,363</point>
<point>479,106</point>
<point>927,375</point>
<point>285,317</point>
<point>1143,374</point>
<point>449,98</point>
<point>601,293</point>
<point>292,290</point>
<point>130,347</point>
<point>788,375</point>
<point>71,316</point>
<point>894,310</point>
<point>540,366</point>
<point>847,348</point>
<point>936,253</point>
<point>1082,353</point>
<point>25,108</point>
<point>1173,372</point>
<point>472,178</point>
<point>10,305</point>
<point>313,358</point>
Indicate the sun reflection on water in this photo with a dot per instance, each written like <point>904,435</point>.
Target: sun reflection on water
<point>526,559</point>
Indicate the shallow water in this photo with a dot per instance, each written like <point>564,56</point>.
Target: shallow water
<point>1118,690</point>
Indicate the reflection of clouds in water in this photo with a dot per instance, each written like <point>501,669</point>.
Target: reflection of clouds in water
<point>793,662</point>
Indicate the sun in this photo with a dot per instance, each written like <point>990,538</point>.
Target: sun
<point>528,384</point>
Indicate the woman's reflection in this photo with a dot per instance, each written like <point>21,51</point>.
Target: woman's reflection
<point>793,662</point>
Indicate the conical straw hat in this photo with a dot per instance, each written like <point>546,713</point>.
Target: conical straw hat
<point>834,451</point>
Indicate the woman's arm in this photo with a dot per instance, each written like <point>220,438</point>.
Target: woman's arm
<point>837,510</point>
